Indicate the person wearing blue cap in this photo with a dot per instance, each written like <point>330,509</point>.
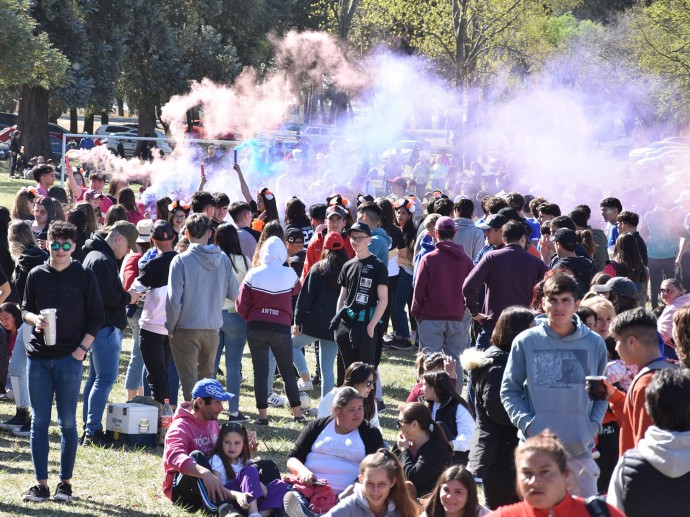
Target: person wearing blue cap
<point>189,480</point>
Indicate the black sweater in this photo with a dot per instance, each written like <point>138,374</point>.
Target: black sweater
<point>316,305</point>
<point>101,260</point>
<point>28,260</point>
<point>74,293</point>
<point>432,459</point>
<point>495,437</point>
<point>371,437</point>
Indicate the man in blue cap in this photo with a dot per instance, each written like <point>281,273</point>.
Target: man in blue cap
<point>189,481</point>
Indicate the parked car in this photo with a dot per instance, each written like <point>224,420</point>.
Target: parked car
<point>53,130</point>
<point>130,145</point>
<point>641,152</point>
<point>8,119</point>
<point>112,129</point>
<point>4,152</point>
<point>404,148</point>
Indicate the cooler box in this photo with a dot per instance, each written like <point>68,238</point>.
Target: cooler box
<point>132,424</point>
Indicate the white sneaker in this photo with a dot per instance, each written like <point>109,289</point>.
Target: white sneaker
<point>275,400</point>
<point>303,385</point>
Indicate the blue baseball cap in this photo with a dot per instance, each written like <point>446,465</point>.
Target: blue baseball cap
<point>210,388</point>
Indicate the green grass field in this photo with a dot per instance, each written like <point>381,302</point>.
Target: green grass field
<point>127,482</point>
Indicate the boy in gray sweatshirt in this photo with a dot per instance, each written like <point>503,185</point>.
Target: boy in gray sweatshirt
<point>544,382</point>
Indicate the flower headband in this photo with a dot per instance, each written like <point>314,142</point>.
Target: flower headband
<point>405,203</point>
<point>177,205</point>
<point>266,193</point>
<point>337,199</point>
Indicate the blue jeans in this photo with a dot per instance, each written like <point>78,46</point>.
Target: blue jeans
<point>233,336</point>
<point>398,315</point>
<point>62,378</point>
<point>328,352</point>
<point>298,359</point>
<point>17,368</point>
<point>103,368</point>
<point>135,368</point>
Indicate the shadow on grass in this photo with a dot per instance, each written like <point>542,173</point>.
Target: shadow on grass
<point>77,507</point>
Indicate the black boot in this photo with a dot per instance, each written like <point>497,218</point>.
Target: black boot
<point>21,418</point>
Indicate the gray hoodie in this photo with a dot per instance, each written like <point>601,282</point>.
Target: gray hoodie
<point>468,236</point>
<point>544,384</point>
<point>667,451</point>
<point>199,282</point>
<point>356,505</point>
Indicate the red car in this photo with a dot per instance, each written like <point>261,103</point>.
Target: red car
<point>53,130</point>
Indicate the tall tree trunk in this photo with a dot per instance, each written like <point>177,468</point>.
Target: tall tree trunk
<point>88,123</point>
<point>105,114</point>
<point>73,121</point>
<point>120,107</point>
<point>33,121</point>
<point>147,123</point>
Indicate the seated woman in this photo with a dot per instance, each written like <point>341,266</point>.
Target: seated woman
<point>330,449</point>
<point>422,446</point>
<point>431,362</point>
<point>362,377</point>
<point>542,481</point>
<point>449,410</point>
<point>380,491</point>
<point>455,495</point>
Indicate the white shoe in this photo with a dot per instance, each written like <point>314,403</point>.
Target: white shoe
<point>293,505</point>
<point>303,385</point>
<point>275,400</point>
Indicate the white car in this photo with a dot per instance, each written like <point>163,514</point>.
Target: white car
<point>130,145</point>
<point>641,152</point>
<point>112,129</point>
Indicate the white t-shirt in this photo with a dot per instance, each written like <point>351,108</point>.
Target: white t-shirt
<point>326,409</point>
<point>336,457</point>
<point>217,465</point>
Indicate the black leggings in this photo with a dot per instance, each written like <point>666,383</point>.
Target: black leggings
<point>260,341</point>
<point>156,353</point>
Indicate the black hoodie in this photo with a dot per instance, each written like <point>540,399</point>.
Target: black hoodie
<point>101,260</point>
<point>74,293</point>
<point>583,269</point>
<point>29,259</point>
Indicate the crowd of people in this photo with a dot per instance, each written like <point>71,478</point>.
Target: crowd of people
<point>536,317</point>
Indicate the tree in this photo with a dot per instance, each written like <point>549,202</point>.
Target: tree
<point>170,44</point>
<point>30,61</point>
<point>660,34</point>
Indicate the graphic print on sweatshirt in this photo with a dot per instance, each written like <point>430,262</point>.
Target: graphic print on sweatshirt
<point>559,368</point>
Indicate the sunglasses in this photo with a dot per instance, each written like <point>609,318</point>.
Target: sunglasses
<point>400,424</point>
<point>66,246</point>
<point>664,291</point>
<point>233,425</point>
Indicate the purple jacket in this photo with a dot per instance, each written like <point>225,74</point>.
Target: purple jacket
<point>510,274</point>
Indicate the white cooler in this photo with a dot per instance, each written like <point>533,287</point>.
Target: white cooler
<point>132,424</point>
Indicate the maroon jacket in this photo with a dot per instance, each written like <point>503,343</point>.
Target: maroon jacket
<point>510,274</point>
<point>437,294</point>
<point>267,290</point>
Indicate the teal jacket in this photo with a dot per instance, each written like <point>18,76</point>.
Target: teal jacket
<point>380,244</point>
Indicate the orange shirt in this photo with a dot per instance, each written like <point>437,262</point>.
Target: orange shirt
<point>631,413</point>
<point>568,507</point>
